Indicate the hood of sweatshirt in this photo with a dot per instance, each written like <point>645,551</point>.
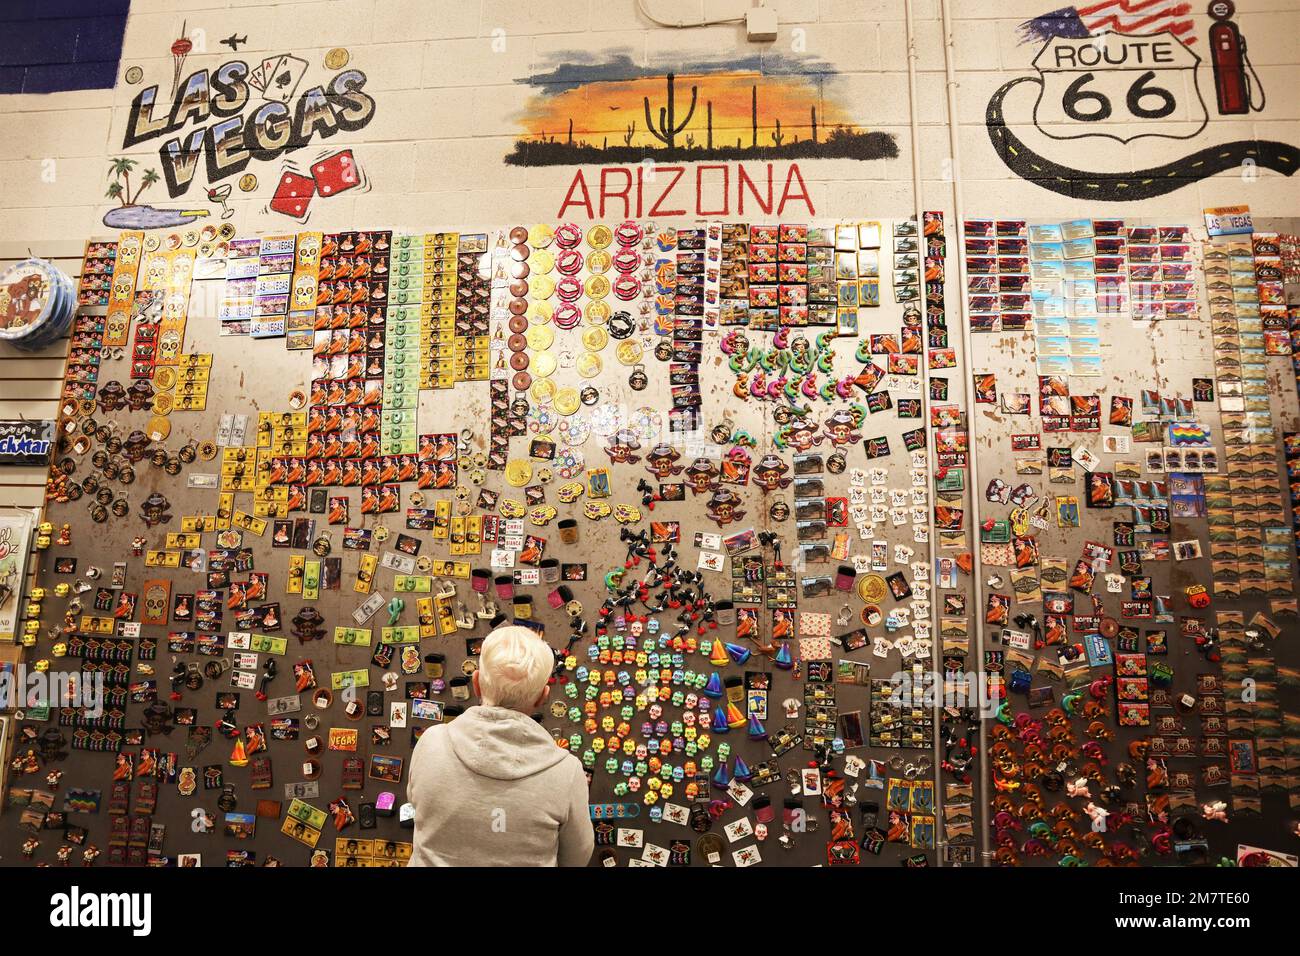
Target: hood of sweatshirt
<point>502,744</point>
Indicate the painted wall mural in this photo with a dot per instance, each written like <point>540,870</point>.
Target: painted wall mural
<point>1120,71</point>
<point>643,127</point>
<point>606,109</point>
<point>216,122</point>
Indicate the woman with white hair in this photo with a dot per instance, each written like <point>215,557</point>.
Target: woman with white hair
<point>492,788</point>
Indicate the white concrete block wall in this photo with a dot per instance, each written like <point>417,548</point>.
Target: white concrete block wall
<point>449,91</point>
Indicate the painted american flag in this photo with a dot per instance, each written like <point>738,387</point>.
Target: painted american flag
<point>1120,16</point>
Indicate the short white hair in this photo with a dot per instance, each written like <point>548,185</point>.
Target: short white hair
<point>513,667</point>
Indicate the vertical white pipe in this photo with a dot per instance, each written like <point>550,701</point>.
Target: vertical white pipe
<point>977,571</point>
<point>918,203</point>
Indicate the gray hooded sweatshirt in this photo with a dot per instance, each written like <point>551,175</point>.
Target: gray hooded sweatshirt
<point>492,788</point>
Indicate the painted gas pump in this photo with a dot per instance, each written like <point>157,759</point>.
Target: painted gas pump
<point>1235,81</point>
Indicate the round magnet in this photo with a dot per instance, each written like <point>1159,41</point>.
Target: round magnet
<point>589,365</point>
<point>598,312</point>
<point>595,338</point>
<point>519,287</point>
<point>542,261</point>
<point>518,324</point>
<point>566,400</point>
<point>541,235</point>
<point>518,306</point>
<point>597,287</point>
<point>541,287</point>
<point>872,588</point>
<point>599,262</point>
<point>517,342</point>
<point>569,289</point>
<point>629,232</point>
<point>540,337</point>
<point>540,312</point>
<point>627,287</point>
<point>629,352</point>
<point>568,235</point>
<point>543,364</point>
<point>599,236</point>
<point>521,381</point>
<point>519,471</point>
<point>569,262</point>
<point>158,428</point>
<point>543,391</point>
<point>518,235</point>
<point>567,316</point>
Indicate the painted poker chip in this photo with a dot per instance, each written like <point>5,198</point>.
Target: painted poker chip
<point>569,289</point>
<point>626,260</point>
<point>574,429</point>
<point>647,423</point>
<point>567,235</point>
<point>628,233</point>
<point>627,287</point>
<point>542,419</point>
<point>568,462</point>
<point>569,262</point>
<point>567,316</point>
<point>606,420</point>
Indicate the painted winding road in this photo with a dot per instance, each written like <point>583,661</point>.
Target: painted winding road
<point>1138,184</point>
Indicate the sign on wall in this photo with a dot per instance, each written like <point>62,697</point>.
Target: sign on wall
<point>213,127</point>
<point>1122,71</point>
<point>24,442</point>
<point>713,136</point>
<point>15,545</point>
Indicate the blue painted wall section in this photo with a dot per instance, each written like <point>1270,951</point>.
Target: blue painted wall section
<point>51,45</point>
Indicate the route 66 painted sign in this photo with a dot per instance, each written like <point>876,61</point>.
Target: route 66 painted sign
<point>1118,86</point>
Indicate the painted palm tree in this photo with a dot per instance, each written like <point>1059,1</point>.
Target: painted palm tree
<point>120,168</point>
<point>150,177</point>
<point>120,188</point>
